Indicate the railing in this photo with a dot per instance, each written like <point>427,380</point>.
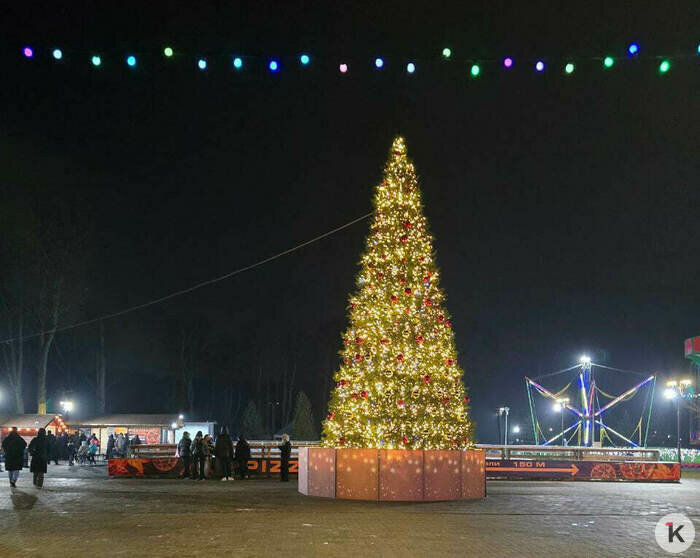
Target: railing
<point>569,453</point>
<point>270,450</point>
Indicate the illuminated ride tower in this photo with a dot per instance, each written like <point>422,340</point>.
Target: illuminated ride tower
<point>587,422</point>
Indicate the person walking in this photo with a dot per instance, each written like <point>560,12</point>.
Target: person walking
<point>39,450</point>
<point>120,446</point>
<point>242,456</point>
<point>224,452</point>
<point>13,448</point>
<point>199,455</point>
<point>285,452</point>
<point>110,446</point>
<point>72,446</point>
<point>52,449</point>
<point>184,449</point>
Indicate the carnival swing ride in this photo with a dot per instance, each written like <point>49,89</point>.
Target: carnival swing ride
<point>581,410</point>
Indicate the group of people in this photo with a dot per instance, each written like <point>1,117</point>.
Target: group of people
<point>200,454</point>
<point>120,445</point>
<point>13,447</point>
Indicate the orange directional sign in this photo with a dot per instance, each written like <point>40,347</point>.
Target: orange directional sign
<point>540,467</point>
<point>582,470</point>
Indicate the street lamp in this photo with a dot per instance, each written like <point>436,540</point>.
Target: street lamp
<point>559,407</point>
<point>678,389</point>
<point>505,410</point>
<point>66,407</point>
<point>584,359</point>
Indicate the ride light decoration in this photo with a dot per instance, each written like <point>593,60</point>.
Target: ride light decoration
<point>475,70</point>
<point>446,53</point>
<point>378,63</point>
<point>665,66</point>
<point>608,62</point>
<point>304,59</point>
<point>202,64</point>
<point>57,54</point>
<point>273,65</point>
<point>96,60</point>
<point>168,52</point>
<point>343,68</point>
<point>238,62</point>
<point>569,68</point>
<point>28,52</point>
<point>507,62</point>
<point>410,67</point>
<point>539,66</point>
<point>131,61</point>
<point>632,50</point>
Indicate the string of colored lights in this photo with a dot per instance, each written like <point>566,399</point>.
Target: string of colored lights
<point>473,66</point>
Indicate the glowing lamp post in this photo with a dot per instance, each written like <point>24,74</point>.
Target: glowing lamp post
<point>501,412</point>
<point>559,407</point>
<point>678,389</point>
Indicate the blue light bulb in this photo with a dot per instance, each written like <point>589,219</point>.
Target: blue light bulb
<point>238,62</point>
<point>304,59</point>
<point>379,62</point>
<point>273,65</point>
<point>131,61</point>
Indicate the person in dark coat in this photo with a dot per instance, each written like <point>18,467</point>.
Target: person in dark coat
<point>199,455</point>
<point>13,448</point>
<point>223,450</point>
<point>110,446</point>
<point>136,441</point>
<point>39,450</point>
<point>184,449</point>
<point>285,452</point>
<point>72,446</point>
<point>242,456</point>
<point>52,447</point>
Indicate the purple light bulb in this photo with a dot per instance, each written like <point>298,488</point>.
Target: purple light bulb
<point>508,62</point>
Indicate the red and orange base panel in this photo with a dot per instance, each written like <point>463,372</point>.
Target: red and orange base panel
<point>392,475</point>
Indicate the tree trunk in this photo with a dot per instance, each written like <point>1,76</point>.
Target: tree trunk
<point>45,343</point>
<point>101,380</point>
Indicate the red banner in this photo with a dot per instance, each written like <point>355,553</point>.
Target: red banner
<point>582,470</point>
<point>174,467</point>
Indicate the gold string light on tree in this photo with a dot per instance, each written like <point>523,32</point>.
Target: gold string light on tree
<point>399,385</point>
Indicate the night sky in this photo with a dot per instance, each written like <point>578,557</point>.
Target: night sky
<point>564,208</point>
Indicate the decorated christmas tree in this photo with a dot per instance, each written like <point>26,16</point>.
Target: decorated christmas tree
<point>399,385</point>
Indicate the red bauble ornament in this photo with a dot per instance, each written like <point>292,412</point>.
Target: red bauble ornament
<point>449,362</point>
<point>400,402</point>
<point>354,395</point>
<point>358,357</point>
<point>331,416</point>
<point>428,302</point>
<point>384,341</point>
<point>364,394</point>
<point>405,440</point>
<point>399,357</point>
<point>408,311</point>
<point>408,290</point>
<point>445,400</point>
<point>341,441</point>
<point>347,361</point>
<point>426,379</point>
<point>404,239</point>
<point>441,318</point>
<point>342,383</point>
<point>353,305</point>
<point>394,298</point>
<point>419,338</point>
<point>380,275</point>
<point>448,323</point>
<point>358,340</point>
<point>346,340</point>
<point>402,281</point>
<point>407,225</point>
<point>421,259</point>
<point>467,399</point>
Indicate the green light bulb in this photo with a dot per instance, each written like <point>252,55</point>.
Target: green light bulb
<point>475,70</point>
<point>569,68</point>
<point>608,61</point>
<point>168,51</point>
<point>664,67</point>
<point>446,52</point>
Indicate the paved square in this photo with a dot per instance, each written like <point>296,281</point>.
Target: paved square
<point>79,512</point>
